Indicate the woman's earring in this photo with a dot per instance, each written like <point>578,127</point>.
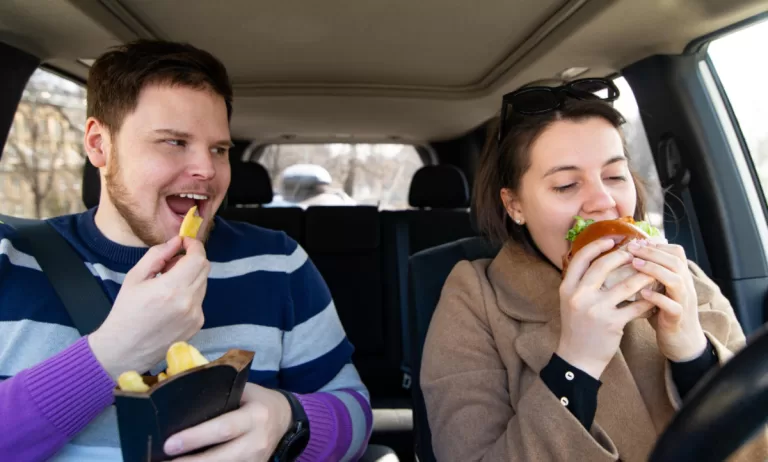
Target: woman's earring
<point>518,221</point>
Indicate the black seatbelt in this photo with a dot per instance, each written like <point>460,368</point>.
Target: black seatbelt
<point>81,294</point>
<point>402,248</point>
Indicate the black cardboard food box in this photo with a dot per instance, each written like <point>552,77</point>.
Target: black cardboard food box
<point>146,420</point>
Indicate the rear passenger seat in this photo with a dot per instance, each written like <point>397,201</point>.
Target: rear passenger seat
<point>251,188</point>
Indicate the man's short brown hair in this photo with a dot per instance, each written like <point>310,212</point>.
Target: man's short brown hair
<point>118,76</point>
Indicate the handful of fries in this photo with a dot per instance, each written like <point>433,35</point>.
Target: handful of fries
<point>181,357</point>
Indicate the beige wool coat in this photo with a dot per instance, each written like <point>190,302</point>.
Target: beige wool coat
<point>497,325</point>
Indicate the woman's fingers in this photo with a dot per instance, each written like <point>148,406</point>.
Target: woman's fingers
<point>598,272</point>
<point>634,310</point>
<point>671,309</point>
<point>627,288</point>
<point>582,260</point>
<point>674,282</point>
<point>671,257</point>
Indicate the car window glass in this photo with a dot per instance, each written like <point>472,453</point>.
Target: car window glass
<point>43,158</point>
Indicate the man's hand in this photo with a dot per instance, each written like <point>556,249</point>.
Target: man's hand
<point>250,433</point>
<point>160,302</point>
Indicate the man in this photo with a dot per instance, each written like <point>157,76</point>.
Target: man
<point>158,130</point>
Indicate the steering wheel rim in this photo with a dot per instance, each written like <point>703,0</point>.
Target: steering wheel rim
<point>724,410</point>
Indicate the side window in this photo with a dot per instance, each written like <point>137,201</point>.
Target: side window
<point>641,157</point>
<point>341,174</point>
<point>42,161</point>
<point>741,64</point>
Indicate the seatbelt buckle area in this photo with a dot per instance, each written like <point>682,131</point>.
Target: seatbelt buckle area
<point>407,380</point>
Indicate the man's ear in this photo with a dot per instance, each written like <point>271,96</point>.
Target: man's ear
<point>512,205</point>
<point>97,142</point>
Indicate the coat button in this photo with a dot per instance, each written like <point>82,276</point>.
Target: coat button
<point>569,375</point>
<point>564,401</point>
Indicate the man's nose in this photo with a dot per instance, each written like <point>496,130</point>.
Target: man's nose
<point>201,165</point>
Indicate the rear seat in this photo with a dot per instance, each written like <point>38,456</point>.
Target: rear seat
<point>441,195</point>
<point>345,244</point>
<point>249,189</point>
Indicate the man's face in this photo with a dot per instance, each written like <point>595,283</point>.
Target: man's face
<point>170,154</point>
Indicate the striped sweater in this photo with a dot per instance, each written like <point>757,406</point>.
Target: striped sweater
<point>264,294</point>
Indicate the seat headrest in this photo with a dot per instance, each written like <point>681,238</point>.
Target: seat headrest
<point>250,184</point>
<point>91,189</point>
<point>439,187</point>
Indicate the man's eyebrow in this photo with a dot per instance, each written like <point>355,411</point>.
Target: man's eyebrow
<point>561,168</point>
<point>184,135</point>
<point>172,132</point>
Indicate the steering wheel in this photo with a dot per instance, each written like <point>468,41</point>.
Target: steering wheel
<point>725,409</point>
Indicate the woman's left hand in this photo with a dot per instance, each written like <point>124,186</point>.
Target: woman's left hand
<point>678,330</point>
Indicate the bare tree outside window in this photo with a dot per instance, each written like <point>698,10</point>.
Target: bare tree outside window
<point>42,161</point>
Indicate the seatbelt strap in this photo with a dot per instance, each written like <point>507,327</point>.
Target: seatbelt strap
<point>402,248</point>
<point>82,296</point>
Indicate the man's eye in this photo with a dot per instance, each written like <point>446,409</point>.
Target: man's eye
<point>220,151</point>
<point>180,143</point>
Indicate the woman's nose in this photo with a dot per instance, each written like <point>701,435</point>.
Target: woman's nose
<point>599,199</point>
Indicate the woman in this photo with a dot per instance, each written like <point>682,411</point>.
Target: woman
<point>523,364</point>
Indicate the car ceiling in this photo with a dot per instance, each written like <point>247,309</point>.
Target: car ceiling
<point>400,70</point>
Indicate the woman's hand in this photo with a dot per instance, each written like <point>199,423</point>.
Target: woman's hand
<point>592,325</point>
<point>678,330</point>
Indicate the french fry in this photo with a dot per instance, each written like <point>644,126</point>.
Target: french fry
<point>161,376</point>
<point>183,356</point>
<point>132,381</point>
<point>191,224</point>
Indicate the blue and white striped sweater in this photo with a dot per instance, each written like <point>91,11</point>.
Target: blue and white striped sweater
<point>264,294</point>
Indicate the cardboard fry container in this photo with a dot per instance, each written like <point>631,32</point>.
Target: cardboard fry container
<point>146,420</point>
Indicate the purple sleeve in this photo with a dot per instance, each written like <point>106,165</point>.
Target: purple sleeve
<point>43,407</point>
<point>333,430</point>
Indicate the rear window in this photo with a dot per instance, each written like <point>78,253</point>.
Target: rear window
<point>341,174</point>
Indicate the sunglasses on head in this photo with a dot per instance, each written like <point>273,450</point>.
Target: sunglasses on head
<point>540,100</point>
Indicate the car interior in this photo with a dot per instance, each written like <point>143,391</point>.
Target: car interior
<point>431,75</point>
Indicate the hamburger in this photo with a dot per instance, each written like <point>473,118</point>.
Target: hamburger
<point>623,231</point>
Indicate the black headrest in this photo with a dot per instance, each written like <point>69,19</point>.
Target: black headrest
<point>359,232</point>
<point>439,187</point>
<point>91,185</point>
<point>250,184</point>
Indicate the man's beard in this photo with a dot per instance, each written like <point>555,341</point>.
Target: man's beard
<point>144,228</point>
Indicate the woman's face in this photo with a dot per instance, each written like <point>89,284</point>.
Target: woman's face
<point>576,168</point>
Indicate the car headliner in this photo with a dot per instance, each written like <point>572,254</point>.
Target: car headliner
<point>400,70</point>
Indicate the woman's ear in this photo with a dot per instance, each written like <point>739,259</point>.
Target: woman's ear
<point>97,142</point>
<point>512,205</point>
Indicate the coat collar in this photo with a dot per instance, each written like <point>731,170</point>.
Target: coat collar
<point>524,284</point>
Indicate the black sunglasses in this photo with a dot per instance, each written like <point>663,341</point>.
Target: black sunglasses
<point>540,100</point>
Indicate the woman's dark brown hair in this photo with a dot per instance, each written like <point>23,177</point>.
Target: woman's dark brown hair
<point>502,165</point>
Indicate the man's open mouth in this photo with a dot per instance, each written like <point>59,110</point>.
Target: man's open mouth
<point>181,203</point>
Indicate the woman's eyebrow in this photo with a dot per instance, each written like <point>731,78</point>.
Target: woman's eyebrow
<point>561,168</point>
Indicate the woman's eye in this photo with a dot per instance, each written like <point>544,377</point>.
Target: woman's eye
<point>564,188</point>
<point>618,178</point>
